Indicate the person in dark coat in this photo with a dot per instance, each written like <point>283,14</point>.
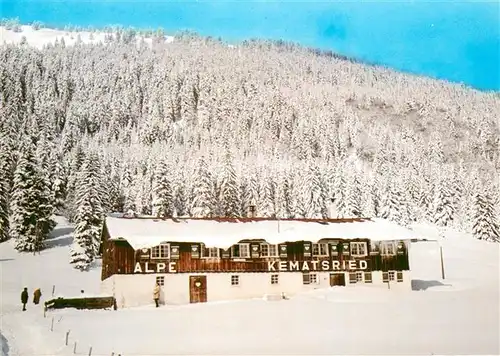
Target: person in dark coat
<point>36,296</point>
<point>156,294</point>
<point>24,297</point>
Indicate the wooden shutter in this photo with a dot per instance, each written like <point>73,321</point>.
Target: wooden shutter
<point>255,250</point>
<point>401,248</point>
<point>334,251</point>
<point>282,251</point>
<point>374,248</point>
<point>145,254</point>
<point>345,248</point>
<point>195,251</point>
<point>226,253</point>
<point>307,249</point>
<point>174,252</point>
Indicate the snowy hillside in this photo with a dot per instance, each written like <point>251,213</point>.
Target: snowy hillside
<point>458,315</point>
<point>39,38</point>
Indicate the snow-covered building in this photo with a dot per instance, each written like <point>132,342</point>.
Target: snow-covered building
<point>200,259</point>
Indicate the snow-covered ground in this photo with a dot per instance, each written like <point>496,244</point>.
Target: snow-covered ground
<point>44,36</point>
<point>458,315</point>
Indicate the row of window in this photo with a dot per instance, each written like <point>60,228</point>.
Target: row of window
<point>247,250</point>
<point>312,278</point>
<point>359,277</point>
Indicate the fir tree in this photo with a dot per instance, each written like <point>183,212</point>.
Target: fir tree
<point>315,194</point>
<point>31,203</point>
<point>354,206</point>
<point>486,224</point>
<point>6,166</point>
<point>89,214</point>
<point>267,192</point>
<point>443,206</point>
<point>203,191</point>
<point>163,199</point>
<point>228,189</point>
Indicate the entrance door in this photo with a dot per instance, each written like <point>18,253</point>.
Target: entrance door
<point>198,289</point>
<point>337,279</point>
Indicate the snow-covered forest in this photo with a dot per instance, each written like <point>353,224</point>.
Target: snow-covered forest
<point>200,128</point>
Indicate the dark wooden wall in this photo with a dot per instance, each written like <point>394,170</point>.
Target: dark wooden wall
<point>120,258</point>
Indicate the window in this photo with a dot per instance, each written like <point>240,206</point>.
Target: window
<point>320,249</point>
<point>274,279</point>
<point>160,280</point>
<point>385,277</point>
<point>309,278</point>
<point>352,277</point>
<point>368,277</point>
<point>359,276</point>
<point>267,250</point>
<point>160,251</point>
<point>387,248</point>
<point>400,276</point>
<point>388,276</point>
<point>235,280</point>
<point>358,249</point>
<point>241,250</point>
<point>210,252</point>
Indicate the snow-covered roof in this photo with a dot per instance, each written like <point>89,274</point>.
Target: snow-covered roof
<point>149,232</point>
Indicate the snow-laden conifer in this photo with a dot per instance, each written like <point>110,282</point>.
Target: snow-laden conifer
<point>267,195</point>
<point>354,195</point>
<point>443,207</point>
<point>228,189</point>
<point>485,220</point>
<point>89,214</point>
<point>315,194</point>
<point>31,203</point>
<point>6,165</point>
<point>163,198</point>
<point>203,203</point>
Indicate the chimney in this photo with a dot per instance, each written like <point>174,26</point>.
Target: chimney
<point>251,211</point>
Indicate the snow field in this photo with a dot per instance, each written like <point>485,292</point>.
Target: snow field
<point>458,315</point>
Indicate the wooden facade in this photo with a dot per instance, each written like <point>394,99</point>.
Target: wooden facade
<point>118,257</point>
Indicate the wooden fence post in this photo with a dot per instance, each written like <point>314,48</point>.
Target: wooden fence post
<point>67,336</point>
<point>52,325</point>
<point>442,262</point>
<point>90,351</point>
<point>53,289</point>
<point>74,348</point>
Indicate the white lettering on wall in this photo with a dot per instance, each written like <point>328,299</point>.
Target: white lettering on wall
<point>325,265</point>
<point>270,266</point>
<point>147,270</point>
<point>315,265</point>
<point>282,266</point>
<point>305,266</point>
<point>336,265</point>
<point>138,268</point>
<point>160,267</point>
<point>352,264</point>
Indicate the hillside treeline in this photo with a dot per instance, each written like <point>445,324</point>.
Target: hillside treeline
<point>197,127</point>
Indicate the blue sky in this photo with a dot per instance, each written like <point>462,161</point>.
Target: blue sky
<point>454,40</point>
